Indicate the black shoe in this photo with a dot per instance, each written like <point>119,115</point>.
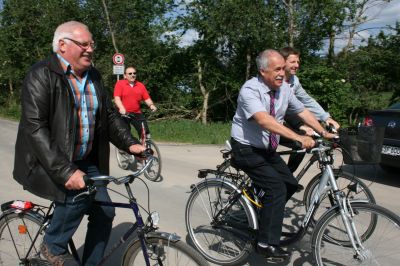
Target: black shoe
<point>299,188</point>
<point>274,252</point>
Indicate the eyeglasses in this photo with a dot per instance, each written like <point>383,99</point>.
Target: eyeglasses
<point>84,45</point>
<point>131,73</point>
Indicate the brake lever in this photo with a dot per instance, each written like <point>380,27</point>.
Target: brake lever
<point>87,192</point>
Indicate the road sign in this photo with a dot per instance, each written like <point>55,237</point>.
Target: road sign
<point>118,59</point>
<point>118,69</point>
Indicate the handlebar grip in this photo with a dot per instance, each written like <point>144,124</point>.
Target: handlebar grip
<point>297,145</point>
<point>87,180</point>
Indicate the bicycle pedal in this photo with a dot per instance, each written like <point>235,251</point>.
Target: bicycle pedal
<point>39,262</point>
<point>277,260</point>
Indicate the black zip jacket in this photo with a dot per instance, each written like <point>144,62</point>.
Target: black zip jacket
<point>46,134</point>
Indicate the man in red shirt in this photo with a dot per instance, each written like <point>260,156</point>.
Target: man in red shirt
<point>128,95</point>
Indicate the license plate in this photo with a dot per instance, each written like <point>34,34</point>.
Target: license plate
<point>389,150</point>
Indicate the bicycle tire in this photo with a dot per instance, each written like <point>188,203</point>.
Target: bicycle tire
<point>153,172</point>
<point>219,242</point>
<point>327,201</point>
<point>125,160</point>
<point>228,168</point>
<point>169,253</point>
<point>17,232</point>
<point>380,245</point>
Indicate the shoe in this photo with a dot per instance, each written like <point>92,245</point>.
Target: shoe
<point>299,188</point>
<point>274,252</point>
<point>65,259</point>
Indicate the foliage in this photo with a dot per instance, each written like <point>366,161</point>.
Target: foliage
<point>203,79</point>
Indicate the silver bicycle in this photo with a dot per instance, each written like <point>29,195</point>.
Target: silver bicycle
<point>222,222</point>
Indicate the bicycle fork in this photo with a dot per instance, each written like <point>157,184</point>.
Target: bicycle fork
<point>347,214</point>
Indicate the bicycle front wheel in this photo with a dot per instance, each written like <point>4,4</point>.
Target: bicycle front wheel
<point>331,243</point>
<point>327,200</point>
<point>17,233</point>
<point>163,252</point>
<point>125,160</point>
<point>223,239</point>
<point>153,172</point>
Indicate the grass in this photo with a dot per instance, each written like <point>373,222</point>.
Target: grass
<point>188,131</point>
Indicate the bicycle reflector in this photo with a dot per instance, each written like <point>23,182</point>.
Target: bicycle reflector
<point>22,229</point>
<point>22,205</point>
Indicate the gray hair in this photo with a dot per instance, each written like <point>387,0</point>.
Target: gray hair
<point>262,59</point>
<point>66,30</point>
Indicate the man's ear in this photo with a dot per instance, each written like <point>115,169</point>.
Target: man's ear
<point>61,45</point>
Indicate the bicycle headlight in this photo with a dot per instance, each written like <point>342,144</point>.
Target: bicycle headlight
<point>155,217</point>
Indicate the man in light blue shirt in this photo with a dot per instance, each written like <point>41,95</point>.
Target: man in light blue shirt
<point>292,61</point>
<point>262,103</point>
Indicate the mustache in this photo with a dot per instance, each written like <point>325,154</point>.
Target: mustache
<point>279,78</point>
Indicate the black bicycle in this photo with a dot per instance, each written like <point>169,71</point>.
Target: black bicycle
<point>128,161</point>
<point>23,223</point>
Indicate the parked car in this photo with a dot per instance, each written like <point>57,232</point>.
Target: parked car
<point>390,119</point>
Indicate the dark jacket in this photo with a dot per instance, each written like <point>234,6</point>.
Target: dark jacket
<point>46,133</point>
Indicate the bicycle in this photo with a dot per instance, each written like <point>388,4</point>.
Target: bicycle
<point>222,222</point>
<point>23,223</point>
<point>343,180</point>
<point>128,161</point>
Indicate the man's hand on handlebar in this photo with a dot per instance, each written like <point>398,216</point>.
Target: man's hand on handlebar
<point>332,123</point>
<point>308,131</point>
<point>137,149</point>
<point>75,181</point>
<point>306,142</point>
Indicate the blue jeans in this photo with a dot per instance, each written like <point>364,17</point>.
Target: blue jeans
<point>68,215</point>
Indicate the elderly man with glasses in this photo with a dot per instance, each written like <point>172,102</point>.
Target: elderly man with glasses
<point>67,121</point>
<point>128,95</point>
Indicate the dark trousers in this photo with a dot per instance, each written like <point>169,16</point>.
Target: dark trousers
<point>269,172</point>
<point>138,122</point>
<point>295,159</point>
<point>68,215</point>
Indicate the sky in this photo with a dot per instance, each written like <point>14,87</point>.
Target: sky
<point>380,16</point>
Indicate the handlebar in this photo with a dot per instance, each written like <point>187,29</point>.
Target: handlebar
<point>90,180</point>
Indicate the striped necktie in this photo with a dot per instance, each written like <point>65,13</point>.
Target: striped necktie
<point>273,141</point>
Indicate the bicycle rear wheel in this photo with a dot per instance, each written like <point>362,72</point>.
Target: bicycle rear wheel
<point>226,239</point>
<point>379,237</point>
<point>163,252</point>
<point>327,200</point>
<point>228,168</point>
<point>17,233</point>
<point>153,172</point>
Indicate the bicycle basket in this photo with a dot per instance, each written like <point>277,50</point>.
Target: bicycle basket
<point>361,145</point>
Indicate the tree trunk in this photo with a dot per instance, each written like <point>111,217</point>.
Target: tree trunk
<point>109,26</point>
<point>203,112</point>
<point>248,64</point>
<point>10,88</point>
<point>291,30</point>
<point>331,49</point>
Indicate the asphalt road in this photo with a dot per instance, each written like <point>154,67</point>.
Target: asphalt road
<point>168,197</point>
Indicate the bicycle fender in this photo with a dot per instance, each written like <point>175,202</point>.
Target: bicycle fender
<point>253,214</point>
<point>172,237</point>
<point>26,212</point>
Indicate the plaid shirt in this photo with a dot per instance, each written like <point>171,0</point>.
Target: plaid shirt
<point>86,106</point>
